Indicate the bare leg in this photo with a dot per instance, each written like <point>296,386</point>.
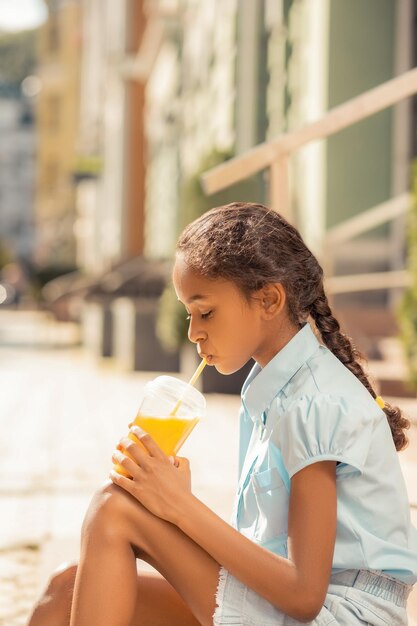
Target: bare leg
<point>157,603</point>
<point>117,530</point>
<point>54,606</point>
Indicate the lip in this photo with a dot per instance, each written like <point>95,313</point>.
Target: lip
<point>208,357</point>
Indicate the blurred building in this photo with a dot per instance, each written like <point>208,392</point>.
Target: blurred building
<point>190,109</point>
<point>220,77</point>
<point>17,169</point>
<point>229,75</point>
<point>155,92</point>
<point>57,123</point>
<point>110,169</point>
<point>296,60</point>
<point>335,51</point>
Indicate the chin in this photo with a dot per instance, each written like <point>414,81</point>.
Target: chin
<point>226,369</point>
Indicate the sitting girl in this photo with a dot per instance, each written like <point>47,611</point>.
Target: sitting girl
<point>321,531</point>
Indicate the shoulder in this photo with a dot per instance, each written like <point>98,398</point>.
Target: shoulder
<point>326,426</point>
<point>309,406</point>
<point>324,380</point>
<point>320,414</point>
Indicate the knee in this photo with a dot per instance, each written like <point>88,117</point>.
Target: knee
<point>54,604</point>
<point>109,512</point>
<point>62,579</point>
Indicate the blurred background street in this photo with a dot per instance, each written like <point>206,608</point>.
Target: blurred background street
<point>61,417</point>
<point>120,122</point>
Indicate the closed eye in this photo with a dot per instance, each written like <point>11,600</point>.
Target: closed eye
<point>203,316</point>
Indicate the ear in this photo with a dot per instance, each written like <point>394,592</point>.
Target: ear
<point>272,299</point>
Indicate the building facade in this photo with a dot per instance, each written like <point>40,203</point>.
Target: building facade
<point>110,167</point>
<point>59,54</point>
<point>17,172</point>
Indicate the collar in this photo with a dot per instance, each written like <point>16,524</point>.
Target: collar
<point>262,385</point>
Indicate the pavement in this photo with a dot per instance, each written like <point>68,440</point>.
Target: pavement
<point>61,413</point>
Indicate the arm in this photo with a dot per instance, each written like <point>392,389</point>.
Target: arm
<point>296,585</point>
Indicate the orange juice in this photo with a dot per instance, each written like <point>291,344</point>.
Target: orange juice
<point>169,410</point>
<point>168,432</point>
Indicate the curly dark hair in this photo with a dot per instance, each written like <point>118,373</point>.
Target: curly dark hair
<point>252,246</point>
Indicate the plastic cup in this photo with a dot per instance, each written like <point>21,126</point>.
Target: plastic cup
<point>169,411</point>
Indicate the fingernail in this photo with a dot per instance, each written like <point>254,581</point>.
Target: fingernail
<point>136,430</point>
<point>118,456</point>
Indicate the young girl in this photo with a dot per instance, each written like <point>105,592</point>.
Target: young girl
<point>321,529</point>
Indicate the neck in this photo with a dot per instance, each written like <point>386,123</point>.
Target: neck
<point>276,338</point>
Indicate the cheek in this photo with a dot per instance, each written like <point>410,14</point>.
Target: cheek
<point>243,329</point>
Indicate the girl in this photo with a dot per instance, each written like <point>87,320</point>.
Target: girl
<point>321,529</point>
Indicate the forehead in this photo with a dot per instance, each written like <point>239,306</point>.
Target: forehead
<point>191,286</point>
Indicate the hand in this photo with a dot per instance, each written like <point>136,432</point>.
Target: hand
<point>159,482</point>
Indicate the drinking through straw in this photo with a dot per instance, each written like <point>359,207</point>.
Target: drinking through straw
<point>192,382</point>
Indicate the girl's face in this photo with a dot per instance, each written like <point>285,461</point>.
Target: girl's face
<point>227,328</point>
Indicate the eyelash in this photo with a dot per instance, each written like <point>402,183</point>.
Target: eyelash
<point>203,316</point>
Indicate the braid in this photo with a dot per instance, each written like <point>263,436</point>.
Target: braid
<point>346,352</point>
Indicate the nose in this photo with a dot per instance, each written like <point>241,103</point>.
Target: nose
<point>195,333</point>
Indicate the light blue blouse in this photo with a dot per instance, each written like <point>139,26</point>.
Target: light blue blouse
<point>305,407</point>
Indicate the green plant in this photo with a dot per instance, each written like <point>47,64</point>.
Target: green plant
<point>193,202</point>
<point>407,311</point>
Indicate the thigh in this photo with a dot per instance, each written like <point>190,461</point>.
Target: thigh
<point>158,604</point>
<point>183,564</point>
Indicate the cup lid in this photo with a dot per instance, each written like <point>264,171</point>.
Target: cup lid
<point>174,389</point>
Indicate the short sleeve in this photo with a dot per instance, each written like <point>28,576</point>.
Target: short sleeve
<point>324,427</point>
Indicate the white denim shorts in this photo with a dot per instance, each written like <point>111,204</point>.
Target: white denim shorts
<point>354,597</point>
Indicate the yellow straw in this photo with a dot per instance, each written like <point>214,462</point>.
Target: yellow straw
<point>192,381</point>
<point>197,373</point>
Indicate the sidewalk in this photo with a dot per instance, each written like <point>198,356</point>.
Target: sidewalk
<point>60,417</point>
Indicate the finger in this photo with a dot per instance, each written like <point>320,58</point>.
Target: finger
<point>174,461</point>
<point>146,440</point>
<point>121,481</point>
<point>183,462</point>
<point>127,464</point>
<point>135,450</point>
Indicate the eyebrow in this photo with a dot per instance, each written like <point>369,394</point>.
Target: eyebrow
<point>197,297</point>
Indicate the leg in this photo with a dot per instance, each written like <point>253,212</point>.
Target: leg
<point>116,531</point>
<point>54,606</point>
<point>158,604</point>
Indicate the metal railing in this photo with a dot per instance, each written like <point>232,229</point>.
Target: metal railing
<point>275,155</point>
